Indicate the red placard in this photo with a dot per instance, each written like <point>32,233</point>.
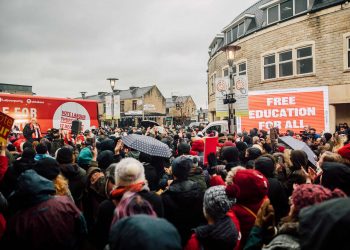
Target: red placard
<point>49,112</point>
<point>210,144</point>
<point>6,123</point>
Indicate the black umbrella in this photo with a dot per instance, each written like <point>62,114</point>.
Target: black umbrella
<point>299,145</point>
<point>147,144</point>
<point>148,123</point>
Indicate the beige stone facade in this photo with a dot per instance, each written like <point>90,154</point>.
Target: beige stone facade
<point>185,112</point>
<point>326,31</point>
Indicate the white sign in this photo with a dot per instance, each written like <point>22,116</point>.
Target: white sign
<point>116,107</point>
<point>241,95</point>
<point>222,86</point>
<point>149,107</point>
<point>134,112</point>
<point>76,110</point>
<point>108,102</point>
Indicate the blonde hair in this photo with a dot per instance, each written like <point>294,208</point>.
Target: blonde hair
<point>287,152</point>
<point>61,186</point>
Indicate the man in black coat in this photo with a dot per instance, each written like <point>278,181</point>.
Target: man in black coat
<point>183,200</point>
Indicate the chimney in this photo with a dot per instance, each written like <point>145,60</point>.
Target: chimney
<point>132,88</point>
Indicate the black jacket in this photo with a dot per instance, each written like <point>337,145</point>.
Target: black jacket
<point>221,235</point>
<point>278,198</point>
<point>183,203</point>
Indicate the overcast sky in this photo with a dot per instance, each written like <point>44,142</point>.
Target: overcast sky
<point>64,47</point>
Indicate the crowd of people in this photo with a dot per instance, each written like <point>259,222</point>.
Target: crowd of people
<point>92,191</point>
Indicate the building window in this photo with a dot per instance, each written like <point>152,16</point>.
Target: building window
<point>242,69</point>
<point>304,60</point>
<point>241,29</point>
<point>212,81</point>
<point>234,33</point>
<point>225,72</point>
<point>286,9</point>
<point>121,106</point>
<point>286,63</point>
<point>348,50</point>
<point>134,105</point>
<point>229,36</point>
<point>269,67</point>
<point>300,6</point>
<point>272,14</point>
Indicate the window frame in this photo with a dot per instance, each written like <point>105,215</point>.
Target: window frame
<point>284,62</point>
<point>238,71</point>
<point>122,106</point>
<point>346,52</point>
<point>294,50</point>
<point>134,105</point>
<point>278,14</point>
<point>241,24</point>
<point>303,58</point>
<point>269,65</point>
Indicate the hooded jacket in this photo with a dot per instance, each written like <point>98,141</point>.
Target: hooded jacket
<point>43,221</point>
<point>183,206</point>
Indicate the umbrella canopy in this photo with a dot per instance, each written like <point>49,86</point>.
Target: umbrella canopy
<point>147,123</point>
<point>147,145</point>
<point>299,145</point>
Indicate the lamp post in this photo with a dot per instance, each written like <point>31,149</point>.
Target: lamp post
<point>112,82</point>
<point>230,56</point>
<point>83,93</point>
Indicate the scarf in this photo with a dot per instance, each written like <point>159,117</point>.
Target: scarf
<point>118,192</point>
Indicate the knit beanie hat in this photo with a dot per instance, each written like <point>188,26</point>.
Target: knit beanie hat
<point>48,168</point>
<point>105,158</point>
<point>230,154</point>
<point>129,171</point>
<point>309,194</point>
<point>345,151</point>
<point>219,199</point>
<point>85,156</point>
<point>266,166</point>
<point>181,167</point>
<point>65,155</point>
<point>336,175</point>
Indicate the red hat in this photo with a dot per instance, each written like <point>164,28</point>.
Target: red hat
<point>309,194</point>
<point>252,184</point>
<point>345,151</point>
<point>281,149</point>
<point>198,145</point>
<point>216,180</point>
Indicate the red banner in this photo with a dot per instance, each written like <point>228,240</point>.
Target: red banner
<point>210,144</point>
<point>288,109</point>
<point>49,112</point>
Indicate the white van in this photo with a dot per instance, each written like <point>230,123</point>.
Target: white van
<point>218,126</point>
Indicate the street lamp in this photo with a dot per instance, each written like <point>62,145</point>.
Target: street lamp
<point>83,93</point>
<point>112,82</point>
<point>230,52</point>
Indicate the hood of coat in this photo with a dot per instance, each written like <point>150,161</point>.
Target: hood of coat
<point>221,235</point>
<point>32,189</point>
<point>185,191</point>
<point>69,170</point>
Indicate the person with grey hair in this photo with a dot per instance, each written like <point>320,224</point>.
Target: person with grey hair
<point>221,232</point>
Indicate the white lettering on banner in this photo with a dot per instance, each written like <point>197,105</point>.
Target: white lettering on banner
<point>276,113</point>
<point>281,101</point>
<point>290,124</point>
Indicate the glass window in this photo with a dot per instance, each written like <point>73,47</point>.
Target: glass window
<point>241,29</point>
<point>300,6</point>
<point>242,69</point>
<point>134,105</point>
<point>234,33</point>
<point>286,63</point>
<point>304,60</point>
<point>348,52</point>
<point>269,67</point>
<point>121,106</point>
<point>250,24</point>
<point>229,36</point>
<point>225,72</point>
<point>272,15</point>
<point>286,9</point>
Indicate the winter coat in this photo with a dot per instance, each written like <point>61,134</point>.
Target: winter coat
<point>43,221</point>
<point>3,166</point>
<point>76,177</point>
<point>183,202</point>
<point>151,176</point>
<point>221,235</point>
<point>326,225</point>
<point>197,175</point>
<point>3,207</point>
<point>278,198</point>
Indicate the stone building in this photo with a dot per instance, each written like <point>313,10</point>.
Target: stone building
<point>180,109</point>
<point>16,89</point>
<point>136,104</point>
<point>289,44</point>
